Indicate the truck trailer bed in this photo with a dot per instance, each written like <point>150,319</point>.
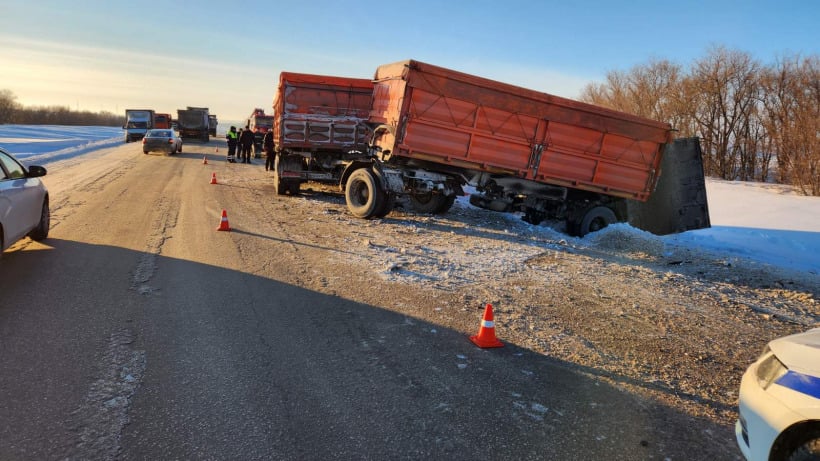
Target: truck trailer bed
<point>431,114</point>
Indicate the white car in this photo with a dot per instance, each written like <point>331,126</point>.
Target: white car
<point>779,401</point>
<point>23,202</point>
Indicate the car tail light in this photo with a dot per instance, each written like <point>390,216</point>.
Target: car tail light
<point>144,140</point>
<point>170,141</point>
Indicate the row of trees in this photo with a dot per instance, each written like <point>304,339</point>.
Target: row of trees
<point>12,112</point>
<point>756,122</point>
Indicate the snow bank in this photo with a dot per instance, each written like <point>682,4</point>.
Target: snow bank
<point>766,223</point>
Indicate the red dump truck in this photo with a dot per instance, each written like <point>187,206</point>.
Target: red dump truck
<point>162,121</point>
<point>436,131</point>
<point>259,124</point>
<point>320,128</point>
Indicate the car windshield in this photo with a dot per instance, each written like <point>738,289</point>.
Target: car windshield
<point>158,134</point>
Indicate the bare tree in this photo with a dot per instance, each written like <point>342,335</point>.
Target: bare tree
<point>791,116</point>
<point>8,106</point>
<point>749,118</point>
<point>726,91</point>
<point>650,90</point>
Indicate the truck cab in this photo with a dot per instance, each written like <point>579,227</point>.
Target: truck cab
<point>137,123</point>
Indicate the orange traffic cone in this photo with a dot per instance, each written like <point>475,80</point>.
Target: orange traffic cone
<point>223,224</point>
<point>213,178</point>
<point>486,333</point>
<point>205,160</point>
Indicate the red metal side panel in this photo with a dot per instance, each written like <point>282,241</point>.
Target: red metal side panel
<point>445,116</point>
<point>321,112</point>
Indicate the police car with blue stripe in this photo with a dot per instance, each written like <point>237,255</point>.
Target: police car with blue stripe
<point>779,403</point>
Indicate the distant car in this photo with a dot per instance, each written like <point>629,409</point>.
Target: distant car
<point>779,401</point>
<point>23,202</point>
<point>165,140</point>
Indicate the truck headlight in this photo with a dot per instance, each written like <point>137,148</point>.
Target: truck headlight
<point>770,370</point>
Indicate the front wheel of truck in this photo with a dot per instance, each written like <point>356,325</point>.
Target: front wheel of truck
<point>364,197</point>
<point>595,219</point>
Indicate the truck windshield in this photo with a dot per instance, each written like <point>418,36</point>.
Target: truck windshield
<point>264,122</point>
<point>137,125</point>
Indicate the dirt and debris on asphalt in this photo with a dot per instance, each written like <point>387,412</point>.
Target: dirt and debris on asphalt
<point>674,324</point>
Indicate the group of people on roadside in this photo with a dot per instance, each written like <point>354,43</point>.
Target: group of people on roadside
<point>240,144</point>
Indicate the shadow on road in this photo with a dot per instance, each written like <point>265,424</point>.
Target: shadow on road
<point>238,366</point>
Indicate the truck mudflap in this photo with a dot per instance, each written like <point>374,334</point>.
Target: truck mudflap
<point>679,201</point>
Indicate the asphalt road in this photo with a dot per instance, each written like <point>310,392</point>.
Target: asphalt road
<point>138,331</point>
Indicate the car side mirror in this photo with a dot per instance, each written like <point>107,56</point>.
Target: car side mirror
<point>35,171</point>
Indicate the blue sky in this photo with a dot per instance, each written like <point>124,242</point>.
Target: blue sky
<point>112,55</point>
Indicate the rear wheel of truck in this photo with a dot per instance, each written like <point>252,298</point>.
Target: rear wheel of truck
<point>533,216</point>
<point>446,204</point>
<point>595,219</point>
<point>279,186</point>
<point>364,197</point>
<point>282,185</point>
<point>429,203</point>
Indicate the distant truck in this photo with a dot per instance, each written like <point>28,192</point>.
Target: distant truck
<point>435,131</point>
<point>212,123</point>
<point>137,123</point>
<point>259,124</point>
<point>193,123</point>
<point>162,121</point>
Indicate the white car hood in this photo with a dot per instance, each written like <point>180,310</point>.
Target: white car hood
<point>799,352</point>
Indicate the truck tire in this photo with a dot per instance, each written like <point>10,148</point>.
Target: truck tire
<point>446,204</point>
<point>430,203</point>
<point>365,199</point>
<point>387,205</point>
<point>280,186</point>
<point>533,216</point>
<point>595,219</point>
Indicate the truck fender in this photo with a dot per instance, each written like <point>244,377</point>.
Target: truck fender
<point>350,168</point>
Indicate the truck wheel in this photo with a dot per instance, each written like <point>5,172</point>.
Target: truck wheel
<point>427,203</point>
<point>533,216</point>
<point>293,187</point>
<point>279,185</point>
<point>363,195</point>
<point>595,219</point>
<point>446,204</point>
<point>387,205</point>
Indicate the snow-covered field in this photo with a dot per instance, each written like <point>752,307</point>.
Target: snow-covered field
<point>766,223</point>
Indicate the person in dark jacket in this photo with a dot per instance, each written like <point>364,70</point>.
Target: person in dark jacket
<point>267,146</point>
<point>246,141</point>
<point>233,140</point>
